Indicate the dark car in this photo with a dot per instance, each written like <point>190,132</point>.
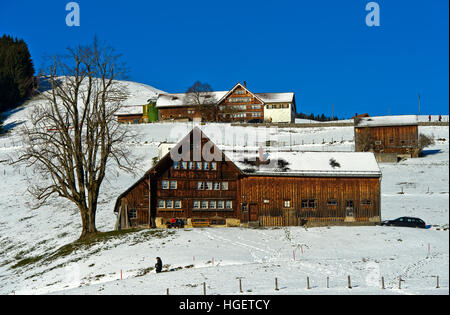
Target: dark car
<point>405,221</point>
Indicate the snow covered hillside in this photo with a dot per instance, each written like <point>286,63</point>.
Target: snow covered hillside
<point>37,255</point>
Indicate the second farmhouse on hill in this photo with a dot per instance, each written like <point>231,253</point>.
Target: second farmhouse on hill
<point>261,188</point>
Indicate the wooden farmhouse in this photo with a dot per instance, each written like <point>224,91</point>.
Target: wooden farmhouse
<point>236,105</point>
<point>390,137</point>
<point>259,188</point>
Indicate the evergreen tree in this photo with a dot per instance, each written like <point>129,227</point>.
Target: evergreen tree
<point>16,72</point>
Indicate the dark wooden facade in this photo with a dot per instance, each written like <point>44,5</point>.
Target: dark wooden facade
<point>130,119</point>
<point>402,140</point>
<point>217,192</point>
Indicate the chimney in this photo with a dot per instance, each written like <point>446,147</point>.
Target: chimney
<point>245,84</point>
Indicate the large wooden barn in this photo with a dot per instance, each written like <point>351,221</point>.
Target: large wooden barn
<point>259,188</point>
<point>236,105</point>
<point>389,137</point>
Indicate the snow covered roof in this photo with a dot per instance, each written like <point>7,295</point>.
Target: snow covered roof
<point>335,164</point>
<point>183,99</point>
<point>380,121</point>
<point>130,110</point>
<point>276,97</point>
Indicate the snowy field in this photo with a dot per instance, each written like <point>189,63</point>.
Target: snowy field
<point>34,258</point>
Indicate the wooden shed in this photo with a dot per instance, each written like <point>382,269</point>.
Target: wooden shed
<point>252,188</point>
<point>388,136</point>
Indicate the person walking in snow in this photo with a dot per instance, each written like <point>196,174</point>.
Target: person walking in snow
<point>158,265</point>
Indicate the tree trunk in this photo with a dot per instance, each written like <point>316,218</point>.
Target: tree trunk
<point>88,224</point>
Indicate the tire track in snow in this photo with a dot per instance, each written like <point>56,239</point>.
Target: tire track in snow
<point>271,253</point>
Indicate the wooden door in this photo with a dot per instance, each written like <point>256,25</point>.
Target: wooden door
<point>289,217</point>
<point>349,209</point>
<point>253,212</point>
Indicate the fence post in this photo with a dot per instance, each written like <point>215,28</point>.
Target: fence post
<point>167,291</point>
<point>349,283</point>
<point>328,282</point>
<point>382,283</point>
<point>399,283</point>
<point>240,285</point>
<point>276,284</point>
<point>307,283</point>
<point>204,288</point>
<point>437,282</point>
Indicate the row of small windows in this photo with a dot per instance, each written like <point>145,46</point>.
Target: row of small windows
<point>212,185</point>
<point>212,204</point>
<point>241,107</point>
<point>273,106</point>
<point>197,204</point>
<point>243,115</point>
<point>206,166</point>
<point>240,99</point>
<point>172,184</point>
<point>312,203</point>
<point>169,204</point>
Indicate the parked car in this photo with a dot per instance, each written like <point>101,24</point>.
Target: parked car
<point>405,221</point>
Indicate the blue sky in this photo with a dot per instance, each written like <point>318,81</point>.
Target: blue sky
<point>321,50</point>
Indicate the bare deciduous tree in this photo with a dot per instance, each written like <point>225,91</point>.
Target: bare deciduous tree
<point>201,96</point>
<point>72,138</point>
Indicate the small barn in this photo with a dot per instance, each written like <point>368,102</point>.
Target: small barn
<point>263,188</point>
<point>131,114</point>
<point>390,137</point>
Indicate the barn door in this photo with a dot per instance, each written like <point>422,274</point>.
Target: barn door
<point>253,212</point>
<point>289,217</point>
<point>349,209</point>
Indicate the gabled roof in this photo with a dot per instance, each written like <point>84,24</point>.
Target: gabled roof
<point>183,99</point>
<point>243,87</point>
<point>381,121</point>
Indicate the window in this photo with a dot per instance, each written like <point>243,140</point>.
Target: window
<point>229,204</point>
<point>169,204</point>
<point>224,185</point>
<point>378,142</point>
<point>269,106</point>
<point>391,140</point>
<point>220,204</point>
<point>366,202</point>
<point>200,185</point>
<point>165,184</point>
<point>173,184</point>
<point>239,92</point>
<point>213,166</point>
<point>161,204</point>
<point>204,204</point>
<point>198,165</point>
<point>212,204</point>
<point>332,202</point>
<point>184,165</point>
<point>266,201</point>
<point>191,165</point>
<point>209,186</point>
<point>239,99</point>
<point>132,214</point>
<point>308,203</point>
<point>244,207</point>
<point>196,204</point>
<point>256,114</point>
<point>256,106</point>
<point>216,185</point>
<point>287,203</point>
<point>176,165</point>
<point>205,166</point>
<point>178,204</point>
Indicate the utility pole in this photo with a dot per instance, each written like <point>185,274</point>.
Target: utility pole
<point>332,116</point>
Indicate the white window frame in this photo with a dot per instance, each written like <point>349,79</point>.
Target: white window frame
<point>165,184</point>
<point>228,204</point>
<point>163,202</point>
<point>169,204</point>
<point>224,185</point>
<point>171,183</point>
<point>180,205</point>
